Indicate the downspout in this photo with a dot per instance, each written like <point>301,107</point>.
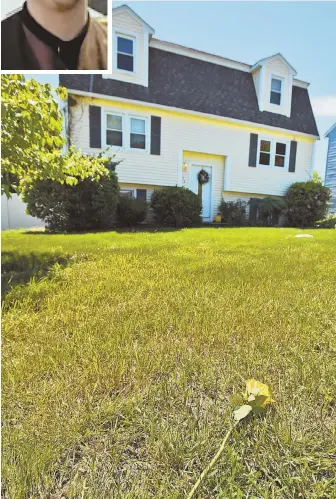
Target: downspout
<point>326,165</point>
<point>91,83</point>
<point>313,160</point>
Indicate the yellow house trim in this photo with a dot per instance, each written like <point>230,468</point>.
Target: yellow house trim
<point>117,104</point>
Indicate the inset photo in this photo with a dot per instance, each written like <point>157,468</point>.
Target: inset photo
<point>54,35</point>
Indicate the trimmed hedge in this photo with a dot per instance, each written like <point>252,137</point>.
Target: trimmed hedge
<point>131,211</point>
<point>90,204</point>
<point>307,202</point>
<point>176,206</point>
<point>233,212</point>
<point>268,211</point>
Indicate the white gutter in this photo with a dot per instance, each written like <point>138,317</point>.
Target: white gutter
<point>191,113</point>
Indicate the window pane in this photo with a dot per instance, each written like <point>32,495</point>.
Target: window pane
<point>276,85</point>
<point>280,148</point>
<point>137,126</point>
<point>113,138</point>
<point>114,122</point>
<point>275,98</point>
<point>125,62</point>
<point>126,193</point>
<point>125,45</point>
<point>141,194</point>
<point>265,146</point>
<point>138,141</point>
<point>279,161</point>
<point>264,158</point>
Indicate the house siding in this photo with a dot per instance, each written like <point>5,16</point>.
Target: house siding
<point>182,134</point>
<point>330,178</point>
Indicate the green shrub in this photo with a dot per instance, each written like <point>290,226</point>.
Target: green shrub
<point>90,204</point>
<point>131,211</point>
<point>268,211</point>
<point>233,212</point>
<point>176,206</point>
<point>306,203</point>
<point>327,223</point>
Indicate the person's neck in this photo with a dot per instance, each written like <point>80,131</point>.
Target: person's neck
<point>65,24</point>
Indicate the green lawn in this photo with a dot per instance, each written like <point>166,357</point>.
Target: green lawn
<point>122,351</point>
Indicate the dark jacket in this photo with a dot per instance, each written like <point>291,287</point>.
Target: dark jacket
<point>17,52</point>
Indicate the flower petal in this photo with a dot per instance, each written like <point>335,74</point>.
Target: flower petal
<point>242,412</point>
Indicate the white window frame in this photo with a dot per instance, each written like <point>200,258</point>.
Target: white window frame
<point>126,130</point>
<point>122,116</point>
<point>146,120</point>
<point>130,36</point>
<point>273,142</point>
<point>280,78</point>
<point>131,189</point>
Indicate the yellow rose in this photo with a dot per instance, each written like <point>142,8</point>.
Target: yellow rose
<point>257,394</point>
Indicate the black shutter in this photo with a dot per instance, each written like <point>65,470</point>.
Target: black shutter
<point>292,156</point>
<point>141,194</point>
<point>95,126</point>
<point>155,135</point>
<point>253,149</point>
<point>253,210</point>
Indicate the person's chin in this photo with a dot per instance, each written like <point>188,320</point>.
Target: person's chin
<point>65,4</point>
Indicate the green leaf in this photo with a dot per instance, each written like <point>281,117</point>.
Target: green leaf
<point>236,400</point>
<point>258,401</point>
<point>242,412</point>
<point>258,410</point>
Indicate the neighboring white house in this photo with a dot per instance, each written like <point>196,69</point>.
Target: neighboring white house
<point>13,215</point>
<point>169,111</point>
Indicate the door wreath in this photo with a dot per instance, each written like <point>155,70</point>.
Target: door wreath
<point>203,177</point>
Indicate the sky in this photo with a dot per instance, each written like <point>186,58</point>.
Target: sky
<point>303,32</point>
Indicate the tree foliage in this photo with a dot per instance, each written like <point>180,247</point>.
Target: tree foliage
<point>32,139</point>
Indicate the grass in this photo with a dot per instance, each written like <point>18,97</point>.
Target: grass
<point>122,351</point>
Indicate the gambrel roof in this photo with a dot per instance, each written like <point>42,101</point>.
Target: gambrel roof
<point>99,5</point>
<point>183,82</point>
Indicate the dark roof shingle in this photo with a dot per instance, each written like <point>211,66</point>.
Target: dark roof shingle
<point>187,83</point>
<point>99,6</point>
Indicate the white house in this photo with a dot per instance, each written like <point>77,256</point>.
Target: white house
<point>169,111</point>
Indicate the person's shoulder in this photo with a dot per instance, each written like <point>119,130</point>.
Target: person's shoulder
<point>10,21</point>
<point>99,26</point>
<point>11,53</point>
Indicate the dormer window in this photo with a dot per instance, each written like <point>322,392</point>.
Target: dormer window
<point>276,90</point>
<point>125,53</point>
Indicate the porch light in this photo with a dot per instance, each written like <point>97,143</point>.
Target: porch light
<point>185,167</point>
